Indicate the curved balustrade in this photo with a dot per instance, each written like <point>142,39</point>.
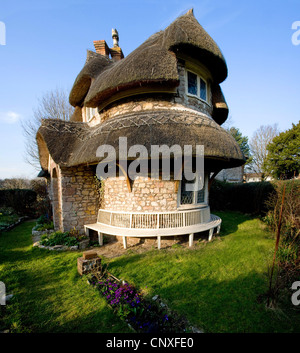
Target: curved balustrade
<point>155,224</point>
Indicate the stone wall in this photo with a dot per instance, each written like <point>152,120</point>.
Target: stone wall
<point>147,195</point>
<point>79,197</point>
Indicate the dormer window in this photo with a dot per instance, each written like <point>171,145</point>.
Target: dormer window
<point>196,86</point>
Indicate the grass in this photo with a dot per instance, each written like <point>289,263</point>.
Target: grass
<point>215,285</point>
<point>49,295</point>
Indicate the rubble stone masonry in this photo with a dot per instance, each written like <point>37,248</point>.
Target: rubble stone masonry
<point>79,197</point>
<point>147,195</point>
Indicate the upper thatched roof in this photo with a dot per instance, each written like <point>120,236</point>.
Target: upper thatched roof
<point>74,143</point>
<point>94,65</point>
<point>152,63</point>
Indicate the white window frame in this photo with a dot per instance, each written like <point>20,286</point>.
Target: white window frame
<point>198,86</point>
<point>194,204</point>
<point>90,113</point>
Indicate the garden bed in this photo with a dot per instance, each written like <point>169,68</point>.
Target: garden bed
<point>9,219</point>
<point>142,314</point>
<point>45,237</point>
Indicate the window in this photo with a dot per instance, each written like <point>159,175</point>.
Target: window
<point>192,83</point>
<point>90,113</point>
<point>196,86</point>
<point>187,197</point>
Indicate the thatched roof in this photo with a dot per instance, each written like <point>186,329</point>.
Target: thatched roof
<point>74,143</point>
<point>153,63</point>
<point>94,65</point>
<point>220,108</point>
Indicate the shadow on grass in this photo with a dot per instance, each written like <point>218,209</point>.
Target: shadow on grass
<point>218,306</point>
<point>231,221</point>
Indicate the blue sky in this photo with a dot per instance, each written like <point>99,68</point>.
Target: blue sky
<point>46,44</point>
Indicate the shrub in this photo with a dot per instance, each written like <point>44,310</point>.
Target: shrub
<point>243,197</point>
<point>45,226</point>
<point>21,200</point>
<point>288,253</point>
<point>58,238</point>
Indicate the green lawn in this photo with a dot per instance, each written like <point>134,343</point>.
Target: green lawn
<point>215,285</point>
<point>49,295</point>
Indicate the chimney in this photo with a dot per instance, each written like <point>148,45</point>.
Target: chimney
<point>101,47</point>
<point>116,52</point>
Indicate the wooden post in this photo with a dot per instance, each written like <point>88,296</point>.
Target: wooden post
<point>211,232</point>
<point>158,242</point>
<point>124,242</point>
<point>191,239</point>
<point>100,238</point>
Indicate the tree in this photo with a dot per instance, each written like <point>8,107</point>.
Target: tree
<point>53,104</point>
<point>283,159</point>
<point>15,183</point>
<point>258,145</point>
<point>242,142</point>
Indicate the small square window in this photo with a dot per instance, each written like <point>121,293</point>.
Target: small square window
<point>191,197</point>
<point>192,83</point>
<point>186,197</point>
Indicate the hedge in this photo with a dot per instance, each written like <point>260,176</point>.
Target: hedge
<point>246,198</point>
<point>21,200</point>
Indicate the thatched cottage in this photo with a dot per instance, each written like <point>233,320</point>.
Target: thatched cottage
<point>165,92</point>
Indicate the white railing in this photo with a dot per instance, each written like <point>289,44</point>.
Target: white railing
<point>154,220</point>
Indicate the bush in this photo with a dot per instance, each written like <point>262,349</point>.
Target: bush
<point>21,200</point>
<point>246,198</point>
<point>70,238</point>
<point>288,253</point>
<point>45,226</point>
<point>58,238</point>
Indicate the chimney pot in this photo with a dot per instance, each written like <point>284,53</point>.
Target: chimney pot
<point>115,37</point>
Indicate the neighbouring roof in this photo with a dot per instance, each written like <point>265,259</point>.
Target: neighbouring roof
<point>153,63</point>
<point>74,143</point>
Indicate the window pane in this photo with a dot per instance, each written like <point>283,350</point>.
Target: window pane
<point>202,89</point>
<point>192,83</point>
<point>200,196</point>
<point>186,197</point>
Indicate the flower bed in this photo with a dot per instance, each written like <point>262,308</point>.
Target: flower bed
<point>58,240</point>
<point>142,314</point>
<point>8,219</point>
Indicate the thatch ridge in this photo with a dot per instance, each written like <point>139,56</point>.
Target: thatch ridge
<point>94,65</point>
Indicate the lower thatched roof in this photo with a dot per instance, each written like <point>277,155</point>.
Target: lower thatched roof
<point>74,143</point>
